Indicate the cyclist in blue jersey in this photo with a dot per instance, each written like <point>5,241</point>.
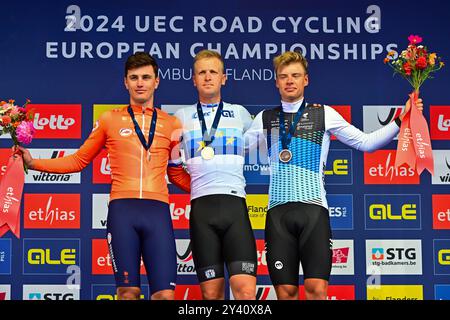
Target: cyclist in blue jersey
<point>297,223</point>
<point>213,146</point>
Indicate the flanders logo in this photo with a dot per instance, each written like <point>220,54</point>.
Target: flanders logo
<point>257,210</point>
<point>395,292</point>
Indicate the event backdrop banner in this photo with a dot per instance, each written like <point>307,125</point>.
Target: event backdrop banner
<point>391,227</point>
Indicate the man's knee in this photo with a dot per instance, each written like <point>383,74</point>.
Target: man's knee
<point>163,295</point>
<point>128,293</point>
<point>316,289</point>
<point>212,294</point>
<point>286,292</point>
<point>243,287</point>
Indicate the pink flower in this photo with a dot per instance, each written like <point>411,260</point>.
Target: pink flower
<point>413,39</point>
<point>25,132</point>
<point>14,111</point>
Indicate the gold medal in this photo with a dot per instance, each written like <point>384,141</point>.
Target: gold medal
<point>285,155</point>
<point>207,153</point>
<point>148,155</point>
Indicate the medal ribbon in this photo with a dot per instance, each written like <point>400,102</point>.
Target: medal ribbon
<point>287,137</point>
<point>151,133</point>
<point>208,138</point>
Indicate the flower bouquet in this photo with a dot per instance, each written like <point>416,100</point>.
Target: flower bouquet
<point>18,122</point>
<point>416,64</point>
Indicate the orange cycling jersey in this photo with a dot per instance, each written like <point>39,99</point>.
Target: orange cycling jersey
<point>134,173</point>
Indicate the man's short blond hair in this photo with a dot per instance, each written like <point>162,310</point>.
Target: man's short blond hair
<point>287,58</point>
<point>208,54</point>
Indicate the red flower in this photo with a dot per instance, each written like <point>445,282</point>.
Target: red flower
<point>407,68</point>
<point>421,63</point>
<point>413,39</point>
<point>6,120</point>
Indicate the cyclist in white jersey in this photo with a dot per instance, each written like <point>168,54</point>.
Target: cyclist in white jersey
<point>213,147</point>
<point>297,224</point>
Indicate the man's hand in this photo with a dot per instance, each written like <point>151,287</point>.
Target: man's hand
<point>419,106</point>
<point>26,155</point>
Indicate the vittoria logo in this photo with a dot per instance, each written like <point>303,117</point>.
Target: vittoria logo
<point>44,177</point>
<point>185,261</point>
<point>441,167</point>
<point>378,116</point>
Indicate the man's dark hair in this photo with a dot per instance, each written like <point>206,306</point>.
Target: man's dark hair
<point>141,59</point>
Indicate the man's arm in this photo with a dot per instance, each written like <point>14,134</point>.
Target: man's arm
<point>175,171</point>
<point>355,138</point>
<point>255,134</point>
<point>77,161</point>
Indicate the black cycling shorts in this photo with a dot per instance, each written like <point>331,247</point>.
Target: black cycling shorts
<point>298,232</point>
<point>220,231</point>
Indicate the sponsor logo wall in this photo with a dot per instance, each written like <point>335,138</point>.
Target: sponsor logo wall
<point>390,226</point>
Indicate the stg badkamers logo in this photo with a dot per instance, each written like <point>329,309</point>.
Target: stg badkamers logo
<point>394,256</point>
<point>396,211</point>
<point>50,256</point>
<point>51,292</point>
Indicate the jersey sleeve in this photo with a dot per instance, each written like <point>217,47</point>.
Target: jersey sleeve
<point>175,171</point>
<point>255,134</point>
<point>246,118</point>
<point>355,138</point>
<point>80,159</point>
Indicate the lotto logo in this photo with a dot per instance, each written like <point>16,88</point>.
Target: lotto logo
<point>440,122</point>
<point>57,121</point>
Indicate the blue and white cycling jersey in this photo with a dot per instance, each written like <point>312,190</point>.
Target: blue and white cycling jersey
<point>222,174</point>
<point>302,178</point>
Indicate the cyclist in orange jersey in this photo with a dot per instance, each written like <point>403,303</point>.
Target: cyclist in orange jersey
<point>143,145</point>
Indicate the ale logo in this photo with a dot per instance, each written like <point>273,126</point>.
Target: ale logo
<point>50,256</point>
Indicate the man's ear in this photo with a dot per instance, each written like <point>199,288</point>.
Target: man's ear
<point>125,82</point>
